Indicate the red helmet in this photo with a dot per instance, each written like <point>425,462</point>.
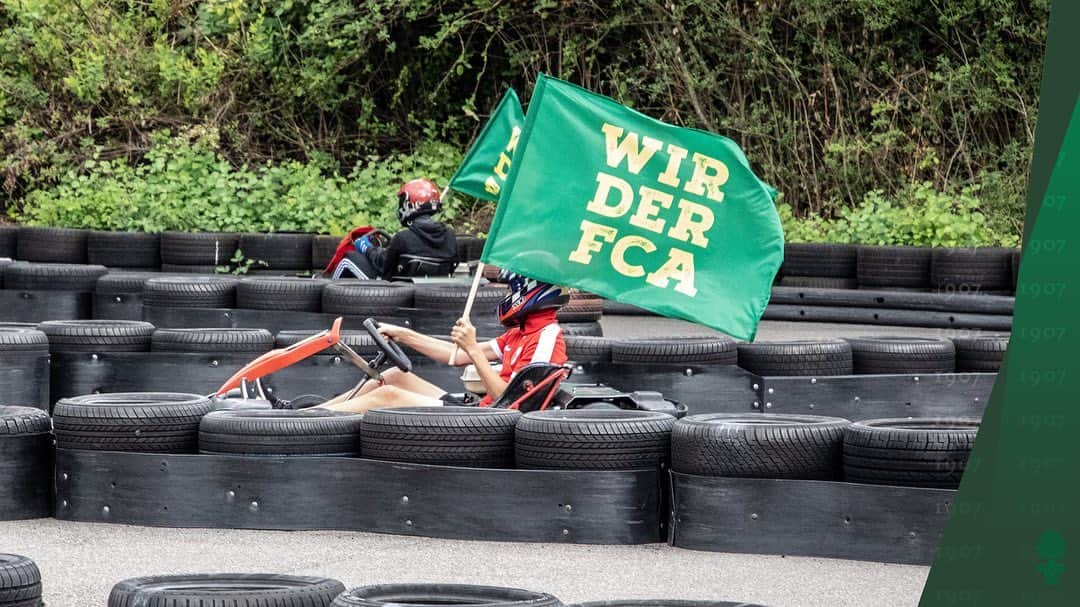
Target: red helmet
<point>417,197</point>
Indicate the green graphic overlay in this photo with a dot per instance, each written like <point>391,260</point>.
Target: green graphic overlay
<point>487,165</point>
<point>622,205</point>
<point>1014,535</point>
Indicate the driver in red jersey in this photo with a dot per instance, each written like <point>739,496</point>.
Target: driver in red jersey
<point>533,336</point>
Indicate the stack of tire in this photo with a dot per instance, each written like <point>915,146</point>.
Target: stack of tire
<point>323,247</point>
<point>26,466</point>
<point>190,292</point>
<point>828,266</point>
<point>197,252</point>
<point>279,253</point>
<point>893,268</point>
<point>366,298</point>
<point>32,277</point>
<point>972,271</point>
<point>581,314</point>
<point>24,356</point>
<point>20,582</point>
<point>876,355</point>
<point>235,590</point>
<point>675,352</point>
<point>928,452</point>
<point>144,422</point>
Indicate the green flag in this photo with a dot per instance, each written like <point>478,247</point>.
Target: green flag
<point>606,199</point>
<point>486,166</point>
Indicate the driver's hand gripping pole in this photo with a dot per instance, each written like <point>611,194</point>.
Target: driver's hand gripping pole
<point>276,360</point>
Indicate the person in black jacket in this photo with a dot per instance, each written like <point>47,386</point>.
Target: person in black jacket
<point>425,248</point>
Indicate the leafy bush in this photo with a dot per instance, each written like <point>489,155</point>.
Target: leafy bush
<point>830,98</point>
<point>185,184</point>
<point>918,215</point>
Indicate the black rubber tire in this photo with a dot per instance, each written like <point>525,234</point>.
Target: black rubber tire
<point>252,341</point>
<point>1015,263</point>
<point>717,350</point>
<point>22,421</point>
<point>927,452</point>
<point>22,339</point>
<point>20,582</point>
<point>664,603</point>
<point>97,335</point>
<point>191,292</point>
<point>226,590</point>
<point>124,249</point>
<point>304,432</point>
<point>366,298</point>
<point>4,263</point>
<point>582,329</point>
<point>817,259</point>
<point>474,437</point>
<point>887,266</point>
<point>980,353</point>
<point>971,269</point>
<point>51,245</point>
<point>797,358</point>
<point>26,276</point>
<point>582,307</point>
<point>124,282</point>
<point>198,248</point>
<point>593,439</point>
<point>758,445</point>
<point>323,248</point>
<point>148,422</point>
<point>290,294</point>
<point>889,354</point>
<point>359,341</point>
<point>588,349</point>
<point>452,297</point>
<point>277,251</point>
<point>819,282</point>
<point>9,238</point>
<point>439,595</point>
<point>182,269</point>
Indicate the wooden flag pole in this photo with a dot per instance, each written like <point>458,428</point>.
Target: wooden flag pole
<point>468,306</point>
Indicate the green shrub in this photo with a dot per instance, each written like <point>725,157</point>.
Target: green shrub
<point>918,215</point>
<point>185,184</point>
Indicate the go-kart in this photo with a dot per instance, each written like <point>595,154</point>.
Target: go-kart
<point>535,387</point>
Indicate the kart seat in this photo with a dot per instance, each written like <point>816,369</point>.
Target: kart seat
<point>533,387</point>
<point>410,266</point>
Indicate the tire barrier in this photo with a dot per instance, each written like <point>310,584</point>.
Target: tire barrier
<point>145,422</point>
<point>819,260</point>
<point>593,439</point>
<point>980,353</point>
<point>893,300</point>
<point>228,491</point>
<point>191,292</point>
<point>797,358</point>
<point>212,341</point>
<point>888,317</point>
<point>52,245</point>
<point>274,321</point>
<point>307,432</point>
<point>9,236</point>
<point>451,436</point>
<point>923,452</point>
<point>759,446</point>
<point>888,267</point>
<point>20,582</point>
<point>366,298</point>
<point>198,248</point>
<point>37,306</point>
<point>225,590</point>
<point>984,269</point>
<point>290,294</point>
<point>808,518</point>
<point>664,603</point>
<point>890,354</point>
<point>97,335</point>
<point>434,595</point>
<point>124,249</point>
<point>277,251</point>
<point>26,466</point>
<point>24,367</point>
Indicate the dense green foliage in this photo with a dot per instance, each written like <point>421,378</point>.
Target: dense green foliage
<point>831,99</point>
<point>917,216</point>
<point>184,185</point>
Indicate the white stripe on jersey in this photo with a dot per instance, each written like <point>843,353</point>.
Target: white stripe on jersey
<point>545,346</point>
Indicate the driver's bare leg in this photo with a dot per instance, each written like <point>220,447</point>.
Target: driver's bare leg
<point>395,378</point>
<point>385,397</point>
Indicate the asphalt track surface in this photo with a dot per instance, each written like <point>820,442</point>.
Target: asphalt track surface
<point>81,561</point>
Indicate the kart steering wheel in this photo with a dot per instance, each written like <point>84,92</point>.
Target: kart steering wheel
<point>393,351</point>
<point>378,238</point>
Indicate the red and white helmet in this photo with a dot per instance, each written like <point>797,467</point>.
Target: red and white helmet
<point>417,197</point>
